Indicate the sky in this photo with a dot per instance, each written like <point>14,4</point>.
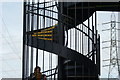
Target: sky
<point>11,38</point>
<point>0,42</point>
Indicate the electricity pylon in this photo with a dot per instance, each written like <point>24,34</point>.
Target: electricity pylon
<point>114,59</point>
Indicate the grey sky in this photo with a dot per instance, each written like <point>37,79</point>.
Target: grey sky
<point>11,39</point>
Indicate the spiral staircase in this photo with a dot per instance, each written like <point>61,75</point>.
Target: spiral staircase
<point>73,64</point>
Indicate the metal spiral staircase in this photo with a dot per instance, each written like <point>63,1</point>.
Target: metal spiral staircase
<point>59,28</point>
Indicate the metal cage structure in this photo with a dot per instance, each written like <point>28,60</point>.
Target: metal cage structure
<point>56,38</point>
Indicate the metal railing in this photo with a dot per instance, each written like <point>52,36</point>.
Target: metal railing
<point>78,36</point>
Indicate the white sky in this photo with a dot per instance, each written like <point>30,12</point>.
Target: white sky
<point>0,42</point>
<point>11,38</point>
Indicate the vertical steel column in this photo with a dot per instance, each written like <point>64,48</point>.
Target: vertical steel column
<point>67,42</point>
<point>97,47</point>
<point>82,30</point>
<point>88,29</point>
<point>98,54</point>
<point>82,44</point>
<point>60,31</point>
<point>24,40</point>
<point>75,39</point>
<point>43,27</point>
<point>93,42</point>
<point>52,38</point>
<point>32,23</point>
<point>89,35</point>
<point>37,33</point>
<point>99,58</point>
<point>27,29</point>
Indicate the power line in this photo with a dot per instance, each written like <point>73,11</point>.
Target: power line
<point>13,48</point>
